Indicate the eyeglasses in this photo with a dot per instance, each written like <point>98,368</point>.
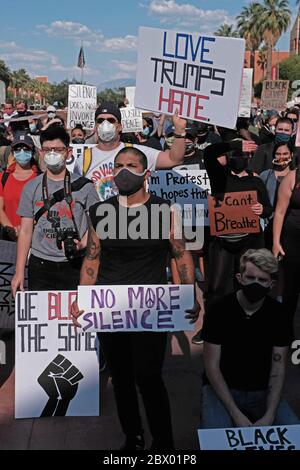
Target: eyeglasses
<point>54,149</point>
<point>111,120</point>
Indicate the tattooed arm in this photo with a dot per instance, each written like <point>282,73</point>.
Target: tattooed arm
<point>276,382</point>
<point>185,265</point>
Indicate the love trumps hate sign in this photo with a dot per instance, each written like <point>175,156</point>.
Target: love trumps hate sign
<point>198,74</point>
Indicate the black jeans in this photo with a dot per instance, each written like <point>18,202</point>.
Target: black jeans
<point>137,358</point>
<point>49,275</point>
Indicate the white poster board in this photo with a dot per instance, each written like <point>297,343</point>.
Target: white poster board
<point>130,94</point>
<point>198,74</point>
<point>246,94</point>
<point>82,102</point>
<point>2,92</point>
<point>57,370</point>
<point>135,308</point>
<point>260,438</point>
<point>189,188</point>
<point>132,119</point>
<point>77,151</point>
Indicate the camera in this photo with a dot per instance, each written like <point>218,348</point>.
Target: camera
<point>67,236</point>
<point>8,234</point>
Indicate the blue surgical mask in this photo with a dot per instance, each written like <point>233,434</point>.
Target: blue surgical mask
<point>145,132</point>
<point>23,156</point>
<point>282,137</point>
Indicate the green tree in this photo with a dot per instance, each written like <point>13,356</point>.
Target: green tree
<point>20,80</point>
<point>274,19</point>
<point>289,69</point>
<point>111,94</point>
<point>247,22</point>
<point>228,31</point>
<point>5,73</point>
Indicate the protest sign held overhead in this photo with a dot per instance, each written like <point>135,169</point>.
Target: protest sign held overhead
<point>82,102</point>
<point>274,94</point>
<point>56,368</point>
<point>233,213</point>
<point>132,119</point>
<point>251,438</point>
<point>200,75</point>
<point>246,94</point>
<point>135,308</point>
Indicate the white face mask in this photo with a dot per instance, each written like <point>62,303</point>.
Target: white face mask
<point>106,131</point>
<point>51,115</point>
<point>54,161</point>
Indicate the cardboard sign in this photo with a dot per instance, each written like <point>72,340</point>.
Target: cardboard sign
<point>82,102</point>
<point>198,74</point>
<point>135,308</point>
<point>132,119</point>
<point>233,214</point>
<point>189,188</point>
<point>57,370</point>
<point>246,94</point>
<point>274,94</point>
<point>260,438</point>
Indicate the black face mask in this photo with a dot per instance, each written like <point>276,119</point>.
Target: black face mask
<point>128,182</point>
<point>21,113</point>
<point>254,291</point>
<point>237,164</point>
<point>202,138</point>
<point>78,140</point>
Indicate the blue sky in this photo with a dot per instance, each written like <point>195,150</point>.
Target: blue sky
<point>44,36</point>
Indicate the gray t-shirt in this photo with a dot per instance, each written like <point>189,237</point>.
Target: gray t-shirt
<point>43,243</point>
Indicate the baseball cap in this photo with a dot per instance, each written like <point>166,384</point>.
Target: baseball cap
<point>51,109</point>
<point>191,131</point>
<point>23,140</point>
<point>108,108</point>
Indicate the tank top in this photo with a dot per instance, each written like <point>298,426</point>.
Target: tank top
<point>292,221</point>
<point>126,261</point>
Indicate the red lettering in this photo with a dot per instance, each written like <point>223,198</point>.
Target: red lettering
<point>189,103</point>
<point>54,305</point>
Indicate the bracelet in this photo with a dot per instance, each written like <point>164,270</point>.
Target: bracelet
<point>180,136</point>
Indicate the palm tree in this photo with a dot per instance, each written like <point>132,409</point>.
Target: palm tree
<point>247,26</point>
<point>20,80</point>
<point>274,19</point>
<point>227,31</point>
<point>5,73</point>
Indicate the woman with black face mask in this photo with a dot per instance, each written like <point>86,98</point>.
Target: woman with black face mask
<point>78,134</point>
<point>226,175</point>
<point>282,159</point>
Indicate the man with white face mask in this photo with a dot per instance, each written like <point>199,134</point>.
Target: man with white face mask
<point>53,220</point>
<point>98,163</point>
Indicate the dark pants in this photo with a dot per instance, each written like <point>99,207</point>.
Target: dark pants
<point>224,260</point>
<point>49,275</point>
<point>291,269</point>
<point>137,358</point>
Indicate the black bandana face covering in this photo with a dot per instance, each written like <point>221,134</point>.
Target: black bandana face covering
<point>129,182</point>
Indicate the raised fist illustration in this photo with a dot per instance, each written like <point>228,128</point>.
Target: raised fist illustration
<point>60,381</point>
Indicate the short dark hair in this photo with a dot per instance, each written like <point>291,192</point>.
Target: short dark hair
<point>138,153</point>
<point>78,126</point>
<point>9,101</point>
<point>55,132</point>
<point>280,144</point>
<point>286,120</point>
<point>292,111</point>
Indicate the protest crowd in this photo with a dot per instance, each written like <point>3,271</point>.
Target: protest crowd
<point>56,184</point>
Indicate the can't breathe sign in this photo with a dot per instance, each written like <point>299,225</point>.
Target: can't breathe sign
<point>198,74</point>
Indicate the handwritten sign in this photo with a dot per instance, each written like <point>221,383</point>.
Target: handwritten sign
<point>274,94</point>
<point>135,308</point>
<point>57,370</point>
<point>82,102</point>
<point>260,438</point>
<point>246,94</point>
<point>198,74</point>
<point>233,214</point>
<point>132,119</point>
<point>189,188</point>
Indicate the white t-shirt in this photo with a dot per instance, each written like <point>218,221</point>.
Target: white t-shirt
<point>102,165</point>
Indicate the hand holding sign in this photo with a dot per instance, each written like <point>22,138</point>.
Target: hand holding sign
<point>193,313</point>
<point>257,208</point>
<point>75,312</point>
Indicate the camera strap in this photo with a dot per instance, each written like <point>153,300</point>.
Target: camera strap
<point>48,203</point>
<point>58,196</point>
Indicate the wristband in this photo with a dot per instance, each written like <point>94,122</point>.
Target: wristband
<point>180,136</point>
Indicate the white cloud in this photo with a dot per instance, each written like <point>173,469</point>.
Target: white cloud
<point>8,45</point>
<point>93,39</point>
<point>127,67</point>
<point>188,15</point>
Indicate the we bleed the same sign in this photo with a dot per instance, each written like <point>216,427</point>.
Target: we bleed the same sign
<point>198,74</point>
<point>135,308</point>
<point>232,213</point>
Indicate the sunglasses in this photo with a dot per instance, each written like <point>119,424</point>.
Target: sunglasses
<point>111,120</point>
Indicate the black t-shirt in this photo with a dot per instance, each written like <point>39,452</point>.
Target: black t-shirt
<point>195,161</point>
<point>246,343</point>
<point>126,261</point>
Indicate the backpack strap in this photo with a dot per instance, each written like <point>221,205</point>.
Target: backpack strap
<point>87,160</point>
<point>4,178</point>
<point>59,195</point>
